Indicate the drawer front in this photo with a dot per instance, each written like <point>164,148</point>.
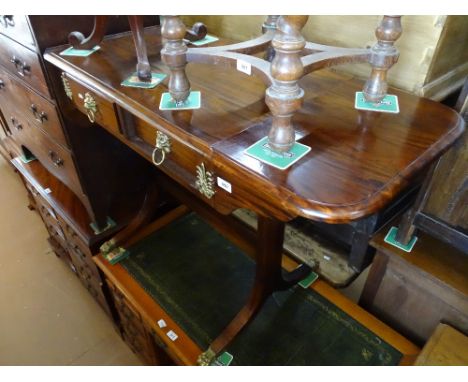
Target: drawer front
<point>17,28</point>
<point>73,238</point>
<point>97,108</point>
<point>54,157</point>
<point>23,63</point>
<point>182,162</point>
<point>39,111</point>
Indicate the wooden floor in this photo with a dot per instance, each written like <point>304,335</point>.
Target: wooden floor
<point>46,316</point>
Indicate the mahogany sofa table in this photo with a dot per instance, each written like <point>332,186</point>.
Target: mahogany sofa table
<point>358,163</point>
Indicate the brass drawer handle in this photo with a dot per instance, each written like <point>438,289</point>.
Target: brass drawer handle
<point>21,66</point>
<point>90,105</point>
<point>7,21</point>
<point>163,144</point>
<point>18,126</point>
<point>38,116</point>
<point>205,181</point>
<point>55,158</point>
<point>66,86</point>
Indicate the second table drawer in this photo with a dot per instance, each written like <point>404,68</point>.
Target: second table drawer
<point>97,108</point>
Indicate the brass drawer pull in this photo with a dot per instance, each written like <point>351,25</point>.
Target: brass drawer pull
<point>21,66</point>
<point>205,181</point>
<point>7,21</point>
<point>163,144</point>
<point>90,105</point>
<point>55,158</point>
<point>38,116</point>
<point>66,86</point>
<point>16,125</point>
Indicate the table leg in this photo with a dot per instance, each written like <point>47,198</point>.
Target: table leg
<point>361,255</point>
<point>143,66</point>
<point>406,227</point>
<point>79,41</point>
<point>268,278</point>
<point>147,210</point>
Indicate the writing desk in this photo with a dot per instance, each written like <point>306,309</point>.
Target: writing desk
<point>358,163</point>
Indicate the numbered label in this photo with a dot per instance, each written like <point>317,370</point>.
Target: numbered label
<point>224,184</point>
<point>172,335</point>
<point>244,67</point>
<point>162,323</point>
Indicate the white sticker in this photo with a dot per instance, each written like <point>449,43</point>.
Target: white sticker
<point>47,190</point>
<point>162,323</point>
<point>172,335</point>
<point>328,258</point>
<point>244,67</point>
<point>224,184</point>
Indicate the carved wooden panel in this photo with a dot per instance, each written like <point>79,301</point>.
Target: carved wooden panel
<point>135,332</point>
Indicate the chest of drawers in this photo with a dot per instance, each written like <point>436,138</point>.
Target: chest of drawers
<point>81,157</point>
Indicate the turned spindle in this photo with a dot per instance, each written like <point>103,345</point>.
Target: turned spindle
<point>269,23</point>
<point>174,55</point>
<point>284,97</point>
<point>383,56</point>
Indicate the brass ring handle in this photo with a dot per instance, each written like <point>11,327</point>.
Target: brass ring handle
<point>89,103</point>
<point>38,116</point>
<point>162,144</point>
<point>163,156</point>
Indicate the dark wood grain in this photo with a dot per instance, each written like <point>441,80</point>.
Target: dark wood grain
<point>359,160</point>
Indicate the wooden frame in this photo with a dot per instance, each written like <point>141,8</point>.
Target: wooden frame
<point>184,351</point>
<point>293,58</point>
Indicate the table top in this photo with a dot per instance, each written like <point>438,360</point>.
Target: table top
<point>359,160</point>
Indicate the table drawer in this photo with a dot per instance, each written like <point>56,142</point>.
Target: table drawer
<point>38,111</point>
<point>97,108</point>
<point>23,63</point>
<point>181,161</point>
<point>17,28</point>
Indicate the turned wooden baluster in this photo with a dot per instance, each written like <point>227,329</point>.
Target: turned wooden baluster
<point>270,23</point>
<point>174,55</point>
<point>384,56</point>
<point>143,67</point>
<point>284,97</point>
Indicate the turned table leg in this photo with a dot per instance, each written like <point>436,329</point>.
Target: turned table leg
<point>79,41</point>
<point>384,55</point>
<point>268,278</point>
<point>174,55</point>
<point>284,97</point>
<point>143,66</point>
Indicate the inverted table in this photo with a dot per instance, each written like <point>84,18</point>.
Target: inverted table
<point>359,161</point>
